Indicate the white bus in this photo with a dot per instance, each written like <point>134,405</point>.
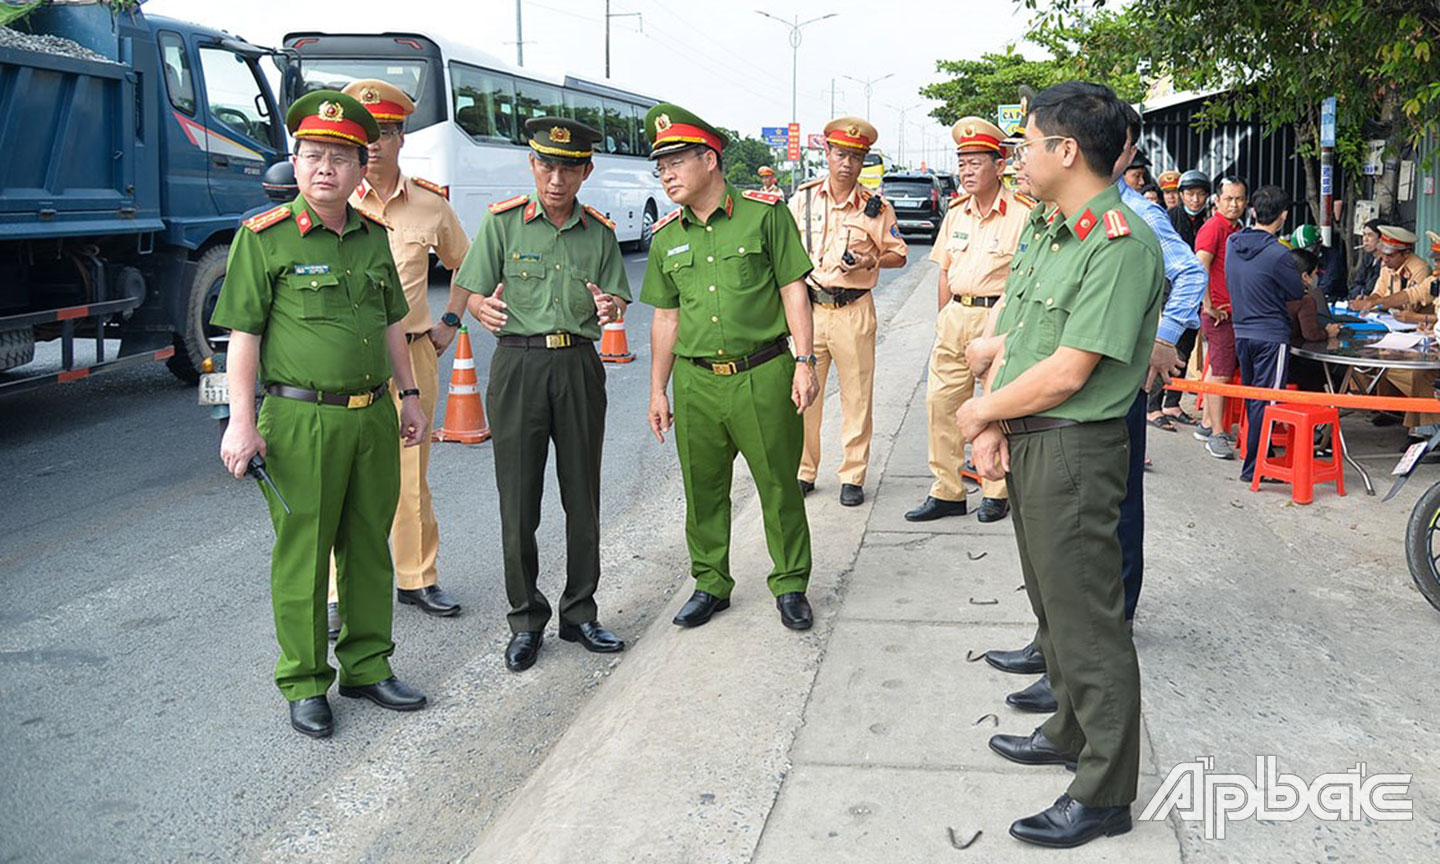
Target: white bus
<point>468,129</point>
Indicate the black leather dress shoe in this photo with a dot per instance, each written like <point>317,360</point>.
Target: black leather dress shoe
<point>524,647</point>
<point>935,508</point>
<point>851,495</point>
<point>389,693</point>
<point>1032,749</point>
<point>332,615</point>
<point>992,509</point>
<point>1026,661</point>
<point>431,599</point>
<point>592,637</point>
<point>806,487</point>
<point>795,610</point>
<point>312,717</point>
<point>698,609</point>
<point>1038,698</point>
<point>1068,823</point>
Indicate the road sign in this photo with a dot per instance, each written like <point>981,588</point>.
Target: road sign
<point>774,136</point>
<point>817,141</point>
<point>792,146</point>
<point>1327,122</point>
<point>1010,119</point>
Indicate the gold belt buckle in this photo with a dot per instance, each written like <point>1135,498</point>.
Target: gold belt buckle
<point>360,400</point>
<point>557,340</point>
<point>723,368</point>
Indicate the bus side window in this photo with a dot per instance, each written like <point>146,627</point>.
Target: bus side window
<point>537,100</point>
<point>619,128</point>
<point>484,103</point>
<point>588,110</point>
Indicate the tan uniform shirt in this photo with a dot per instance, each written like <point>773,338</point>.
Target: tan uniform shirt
<point>777,189</point>
<point>832,226</point>
<point>420,220</point>
<point>1418,293</point>
<point>974,248</point>
<point>1412,270</point>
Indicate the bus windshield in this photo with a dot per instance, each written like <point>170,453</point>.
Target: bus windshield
<point>334,73</point>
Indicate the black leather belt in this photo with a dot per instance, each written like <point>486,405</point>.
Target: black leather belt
<point>973,300</point>
<point>548,340</point>
<point>836,297</point>
<point>1026,425</point>
<point>411,337</point>
<point>750,361</point>
<point>344,400</point>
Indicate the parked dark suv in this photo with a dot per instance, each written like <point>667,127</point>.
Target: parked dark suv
<point>919,201</point>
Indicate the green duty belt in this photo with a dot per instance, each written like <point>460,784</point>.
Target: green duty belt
<point>781,346</point>
<point>548,340</point>
<point>1026,425</point>
<point>973,300</point>
<point>836,297</point>
<point>344,400</point>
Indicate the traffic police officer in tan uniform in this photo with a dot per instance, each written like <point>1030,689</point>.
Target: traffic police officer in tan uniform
<point>974,248</point>
<point>420,219</point>
<point>849,233</point>
<point>769,184</point>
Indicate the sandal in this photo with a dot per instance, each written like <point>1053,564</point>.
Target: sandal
<point>1183,417</point>
<point>1161,422</point>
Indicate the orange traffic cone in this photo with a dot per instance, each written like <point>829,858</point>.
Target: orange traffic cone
<point>464,415</point>
<point>614,346</point>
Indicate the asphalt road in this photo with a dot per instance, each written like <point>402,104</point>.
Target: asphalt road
<point>138,717</point>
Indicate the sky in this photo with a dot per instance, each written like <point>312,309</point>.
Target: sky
<point>723,61</point>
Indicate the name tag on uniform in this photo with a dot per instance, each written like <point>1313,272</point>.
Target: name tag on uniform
<point>961,235</point>
<point>311,269</point>
<point>677,250</point>
<point>1024,244</point>
<point>525,256</point>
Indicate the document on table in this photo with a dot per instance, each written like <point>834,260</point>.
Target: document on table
<point>1399,341</point>
<point>1394,325</point>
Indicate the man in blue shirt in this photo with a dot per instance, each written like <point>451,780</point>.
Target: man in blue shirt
<point>1261,279</point>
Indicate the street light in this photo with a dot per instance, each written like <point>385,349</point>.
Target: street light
<point>902,124</point>
<point>869,85</point>
<point>795,27</point>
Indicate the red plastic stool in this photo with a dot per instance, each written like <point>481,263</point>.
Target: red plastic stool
<point>1280,438</point>
<point>1234,412</point>
<point>1298,466</point>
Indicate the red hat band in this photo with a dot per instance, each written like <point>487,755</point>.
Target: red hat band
<point>684,132</point>
<point>980,140</point>
<point>316,126</point>
<point>859,142</point>
<point>385,111</point>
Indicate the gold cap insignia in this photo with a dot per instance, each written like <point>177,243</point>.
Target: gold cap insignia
<point>662,122</point>
<point>331,111</point>
<point>852,130</point>
<point>967,131</point>
<point>369,96</point>
<point>559,135</point>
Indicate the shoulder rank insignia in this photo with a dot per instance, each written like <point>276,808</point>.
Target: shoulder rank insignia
<point>763,197</point>
<point>600,217</point>
<point>274,216</point>
<point>667,219</point>
<point>1026,200</point>
<point>376,219</point>
<point>1085,224</point>
<point>508,204</point>
<point>442,191</point>
<point>962,198</point>
<point>1115,225</point>
<point>810,184</point>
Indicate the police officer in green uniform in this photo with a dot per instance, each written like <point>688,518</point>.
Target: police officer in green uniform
<point>546,273</point>
<point>726,276</point>
<point>1072,347</point>
<point>314,304</point>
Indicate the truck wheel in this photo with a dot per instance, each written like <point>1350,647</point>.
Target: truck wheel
<point>198,340</point>
<point>17,347</point>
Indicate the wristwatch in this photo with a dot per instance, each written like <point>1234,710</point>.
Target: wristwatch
<point>412,391</point>
<point>805,358</point>
<point>450,319</point>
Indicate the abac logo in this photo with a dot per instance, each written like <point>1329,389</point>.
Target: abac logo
<point>1198,794</point>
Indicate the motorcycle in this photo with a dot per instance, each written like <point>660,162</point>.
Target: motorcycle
<point>1422,532</point>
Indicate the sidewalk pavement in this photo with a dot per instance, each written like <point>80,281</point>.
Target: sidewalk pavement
<point>865,739</point>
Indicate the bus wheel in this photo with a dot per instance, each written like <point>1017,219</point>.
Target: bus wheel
<point>647,227</point>
<point>198,340</point>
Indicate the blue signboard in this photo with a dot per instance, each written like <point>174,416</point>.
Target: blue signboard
<point>1327,122</point>
<point>775,136</point>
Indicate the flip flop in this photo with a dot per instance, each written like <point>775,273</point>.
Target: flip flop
<point>1183,417</point>
<point>1161,422</point>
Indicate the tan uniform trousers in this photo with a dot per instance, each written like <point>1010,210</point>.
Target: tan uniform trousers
<point>846,338</point>
<point>1417,384</point>
<point>950,385</point>
<point>414,535</point>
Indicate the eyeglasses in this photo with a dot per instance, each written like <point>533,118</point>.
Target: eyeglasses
<point>669,166</point>
<point>334,160</point>
<point>391,131</point>
<point>1022,150</point>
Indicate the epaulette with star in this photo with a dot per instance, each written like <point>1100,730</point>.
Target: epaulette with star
<point>1026,200</point>
<point>666,220</point>
<point>508,204</point>
<point>763,197</point>
<point>376,219</point>
<point>600,217</point>
<point>442,191</point>
<point>1115,224</point>
<point>274,216</point>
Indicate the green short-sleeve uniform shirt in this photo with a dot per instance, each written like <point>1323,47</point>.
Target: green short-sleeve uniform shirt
<point>1092,282</point>
<point>545,269</point>
<point>725,274</point>
<point>320,301</point>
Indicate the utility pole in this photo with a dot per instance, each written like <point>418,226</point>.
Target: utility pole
<point>869,85</point>
<point>902,125</point>
<point>795,27</point>
<point>519,37</point>
<point>608,16</point>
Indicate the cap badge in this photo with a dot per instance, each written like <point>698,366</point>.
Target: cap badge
<point>967,131</point>
<point>662,122</point>
<point>331,111</point>
<point>852,130</point>
<point>369,96</point>
<point>559,135</point>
